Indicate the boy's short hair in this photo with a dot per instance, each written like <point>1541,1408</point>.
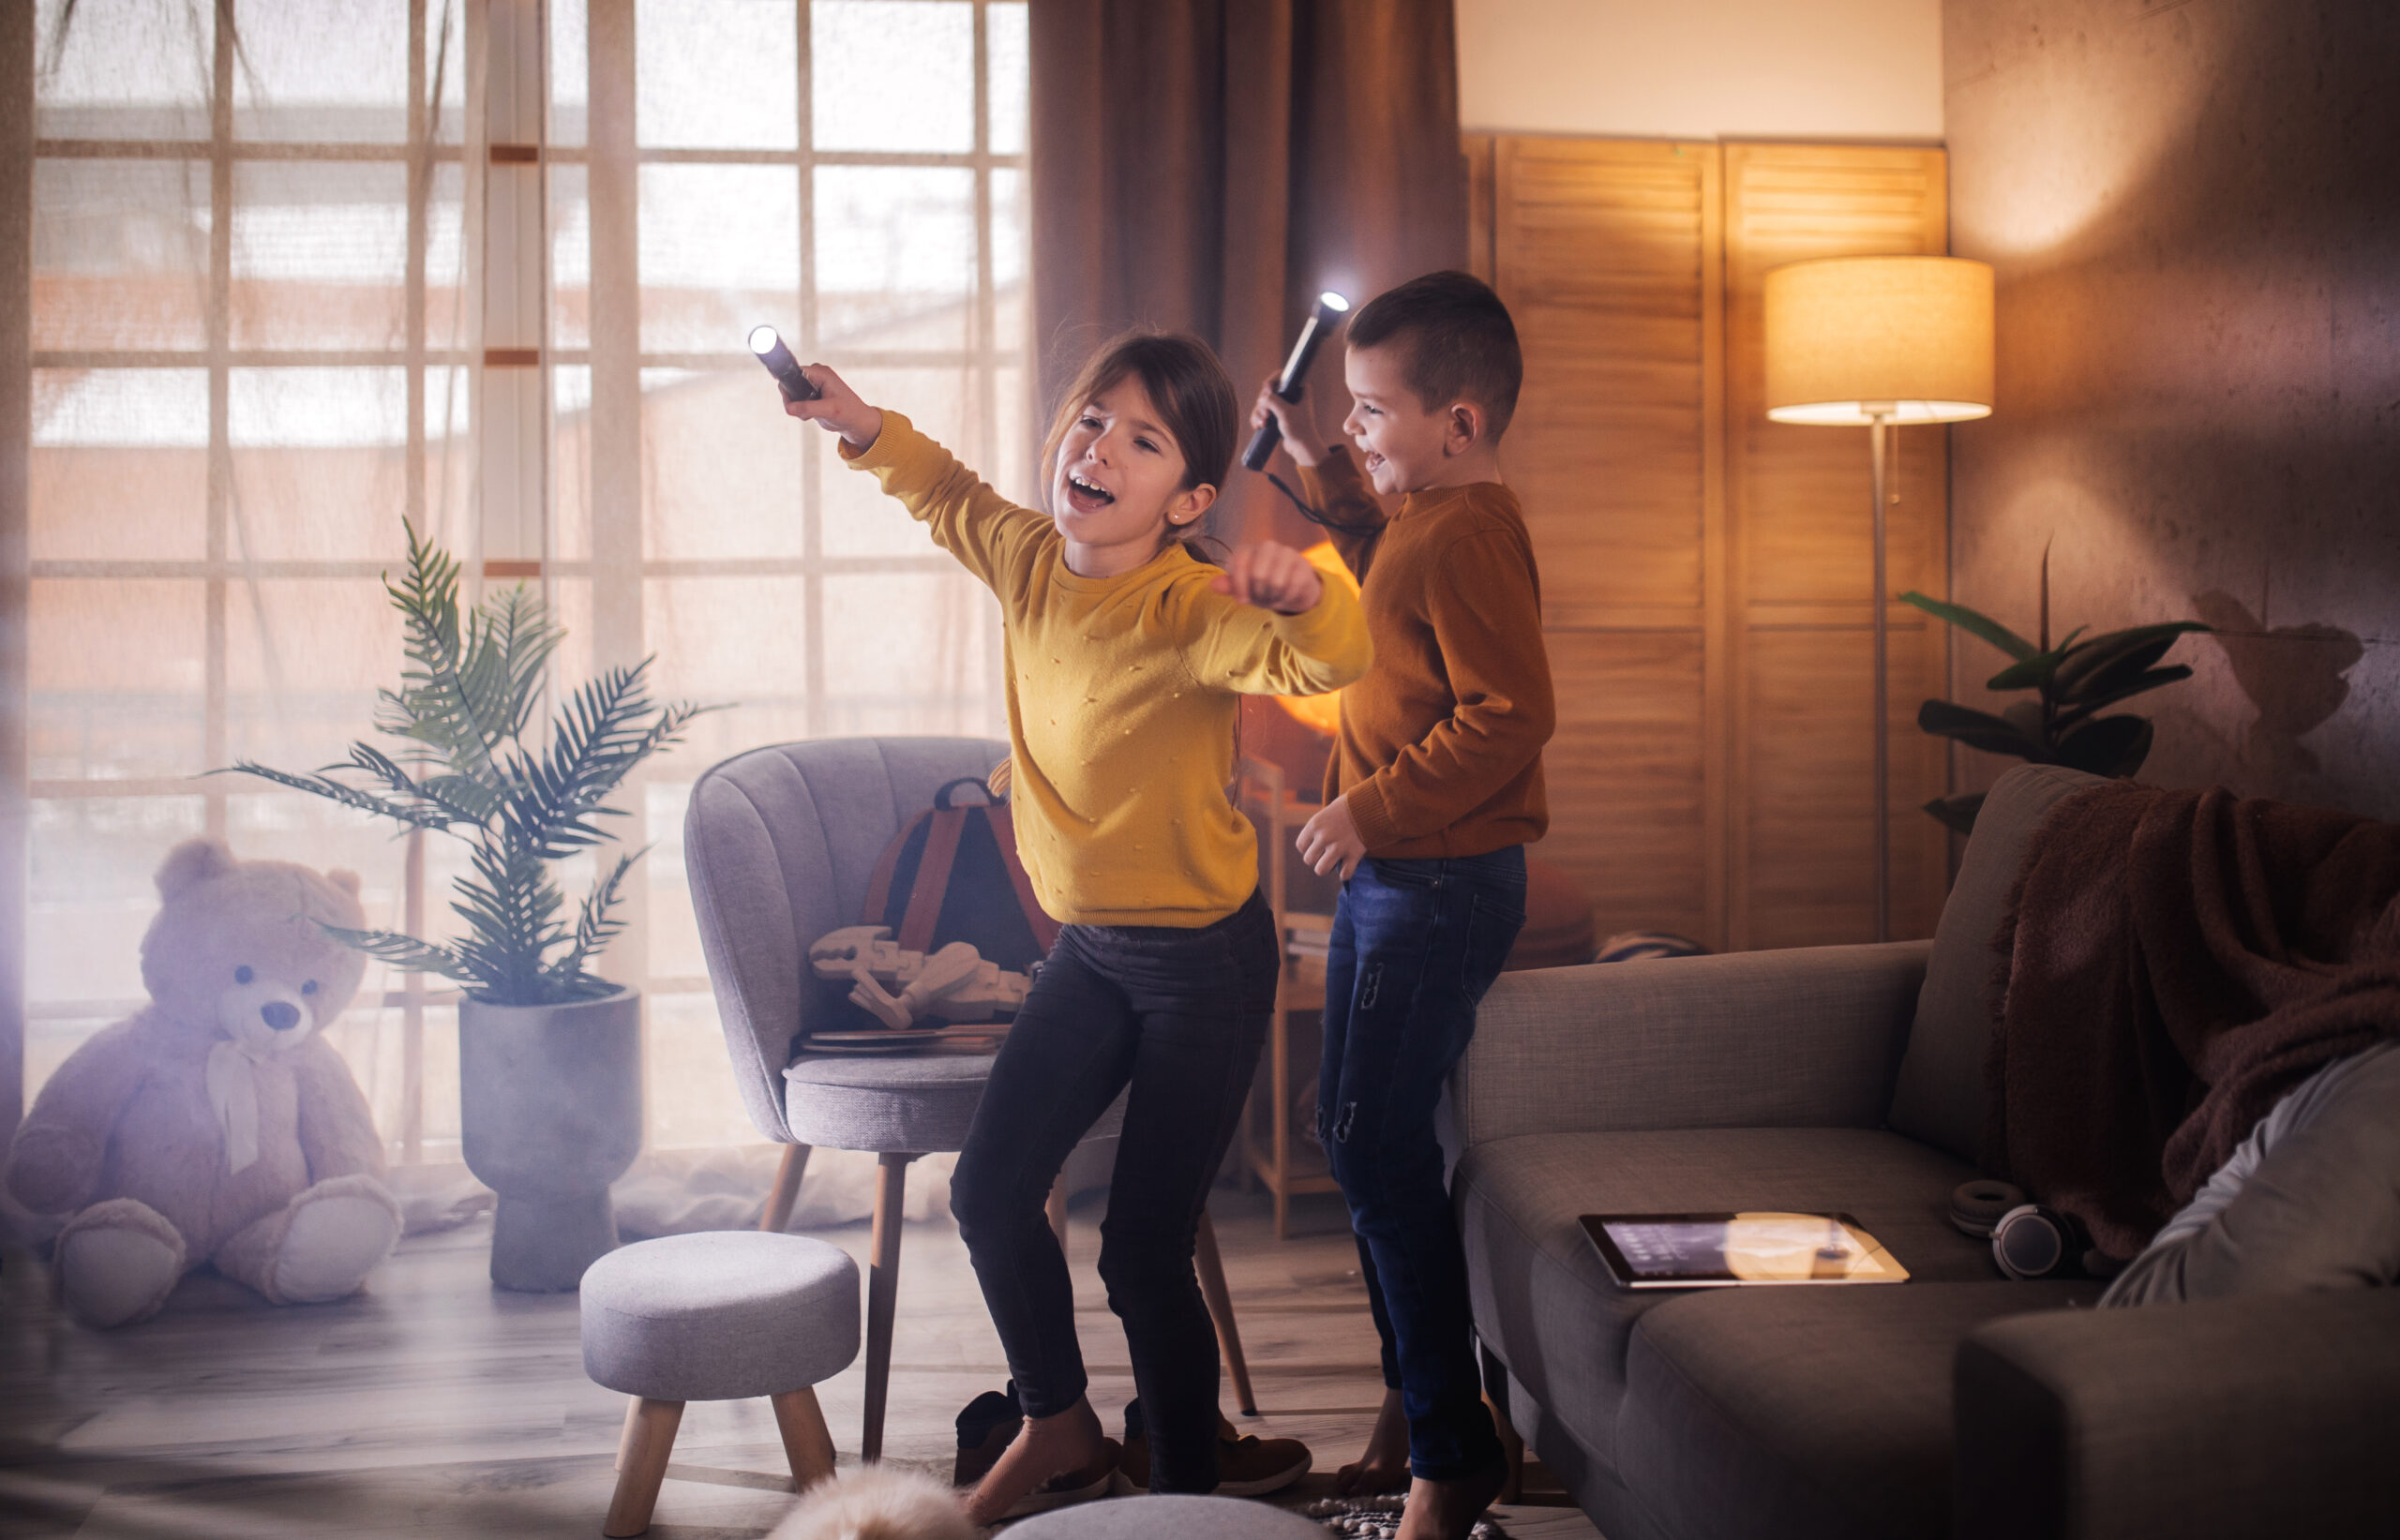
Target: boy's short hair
<point>1458,341</point>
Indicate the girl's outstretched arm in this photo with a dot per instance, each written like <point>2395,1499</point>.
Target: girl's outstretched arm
<point>1275,623</point>
<point>991,536</point>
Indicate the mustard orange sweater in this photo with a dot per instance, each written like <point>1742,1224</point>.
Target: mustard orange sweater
<point>1121,696</point>
<point>1440,751</point>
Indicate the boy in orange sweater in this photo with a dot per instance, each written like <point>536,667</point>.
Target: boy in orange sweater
<point>1432,793</point>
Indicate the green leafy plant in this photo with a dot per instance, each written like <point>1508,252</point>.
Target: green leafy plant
<point>2072,683</point>
<point>465,705</point>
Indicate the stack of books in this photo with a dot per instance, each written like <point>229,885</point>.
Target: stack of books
<point>967,1038</point>
<point>1308,935</point>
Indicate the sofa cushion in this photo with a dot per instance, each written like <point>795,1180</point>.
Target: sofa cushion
<point>1804,1412</point>
<point>1543,1301</point>
<point>1940,1097</point>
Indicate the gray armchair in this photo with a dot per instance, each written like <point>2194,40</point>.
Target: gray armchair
<point>1849,1077</point>
<point>781,844</point>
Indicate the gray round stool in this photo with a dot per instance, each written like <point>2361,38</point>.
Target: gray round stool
<point>1198,1517</point>
<point>717,1316</point>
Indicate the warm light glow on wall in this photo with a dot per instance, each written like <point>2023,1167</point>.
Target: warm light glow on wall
<point>1906,337</point>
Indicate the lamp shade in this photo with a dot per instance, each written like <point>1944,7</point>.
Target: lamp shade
<point>1852,337</point>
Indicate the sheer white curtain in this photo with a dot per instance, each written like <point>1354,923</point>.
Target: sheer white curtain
<point>306,267</point>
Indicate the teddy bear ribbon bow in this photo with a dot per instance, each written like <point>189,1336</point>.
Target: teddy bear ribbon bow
<point>233,1093</point>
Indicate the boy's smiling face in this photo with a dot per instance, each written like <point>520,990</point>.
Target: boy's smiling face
<point>1402,442</point>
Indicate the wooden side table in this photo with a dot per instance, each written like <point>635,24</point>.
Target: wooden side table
<point>1271,1156</point>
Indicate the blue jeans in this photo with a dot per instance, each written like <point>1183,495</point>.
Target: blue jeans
<point>1179,1014</point>
<point>1415,945</point>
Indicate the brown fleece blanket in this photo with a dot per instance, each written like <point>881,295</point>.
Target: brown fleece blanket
<point>2172,963</point>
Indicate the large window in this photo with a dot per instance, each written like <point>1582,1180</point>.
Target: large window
<point>304,268</point>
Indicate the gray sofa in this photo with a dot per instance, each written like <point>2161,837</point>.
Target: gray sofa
<point>1959,1403</point>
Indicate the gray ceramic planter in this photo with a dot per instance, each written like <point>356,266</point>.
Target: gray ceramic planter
<point>550,1115</point>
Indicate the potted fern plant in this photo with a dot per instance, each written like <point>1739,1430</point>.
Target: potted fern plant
<point>548,1052</point>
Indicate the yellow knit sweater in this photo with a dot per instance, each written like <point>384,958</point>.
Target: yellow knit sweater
<point>1122,694</point>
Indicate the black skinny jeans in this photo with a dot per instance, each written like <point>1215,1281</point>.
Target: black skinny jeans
<point>1181,1013</point>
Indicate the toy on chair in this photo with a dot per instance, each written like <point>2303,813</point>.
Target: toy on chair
<point>953,983</point>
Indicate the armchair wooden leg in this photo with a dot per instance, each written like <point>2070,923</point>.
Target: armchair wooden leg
<point>1512,1448</point>
<point>1212,1266</point>
<point>809,1444</point>
<point>641,1464</point>
<point>787,1189</point>
<point>1512,1443</point>
<point>882,1294</point>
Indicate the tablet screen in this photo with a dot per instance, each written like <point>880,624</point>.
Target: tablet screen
<point>1705,1250</point>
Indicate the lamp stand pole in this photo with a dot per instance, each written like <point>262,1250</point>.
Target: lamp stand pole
<point>1881,415</point>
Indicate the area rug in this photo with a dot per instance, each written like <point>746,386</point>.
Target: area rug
<point>1378,1518</point>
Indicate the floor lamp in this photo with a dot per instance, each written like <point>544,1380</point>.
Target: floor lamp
<point>1876,342</point>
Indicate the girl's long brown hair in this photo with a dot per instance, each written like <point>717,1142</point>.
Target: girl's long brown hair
<point>1180,374</point>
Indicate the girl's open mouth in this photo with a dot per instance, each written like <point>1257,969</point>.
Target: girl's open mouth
<point>1087,497</point>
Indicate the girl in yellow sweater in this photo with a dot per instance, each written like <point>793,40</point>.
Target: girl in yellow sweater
<point>1126,655</point>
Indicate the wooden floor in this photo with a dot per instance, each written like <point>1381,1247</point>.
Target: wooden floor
<point>433,1405</point>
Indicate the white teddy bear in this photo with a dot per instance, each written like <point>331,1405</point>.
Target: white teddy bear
<point>217,1125</point>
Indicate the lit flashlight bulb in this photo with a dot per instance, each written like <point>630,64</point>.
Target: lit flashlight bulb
<point>778,361</point>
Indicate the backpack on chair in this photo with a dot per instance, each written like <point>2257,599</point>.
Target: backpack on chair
<point>951,874</point>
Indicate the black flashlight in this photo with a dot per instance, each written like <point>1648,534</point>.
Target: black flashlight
<point>781,364</point>
<point>1331,308</point>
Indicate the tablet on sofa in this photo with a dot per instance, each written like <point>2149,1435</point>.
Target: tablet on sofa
<point>1718,1250</point>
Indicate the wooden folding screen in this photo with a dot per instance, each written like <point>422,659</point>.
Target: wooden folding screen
<point>1706,572</point>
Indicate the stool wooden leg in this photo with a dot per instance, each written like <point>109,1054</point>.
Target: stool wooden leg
<point>882,1294</point>
<point>808,1445</point>
<point>1055,1208</point>
<point>641,1464</point>
<point>631,1430</point>
<point>780,1198</point>
<point>1220,1310</point>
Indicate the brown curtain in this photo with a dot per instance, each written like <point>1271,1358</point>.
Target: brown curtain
<point>1212,164</point>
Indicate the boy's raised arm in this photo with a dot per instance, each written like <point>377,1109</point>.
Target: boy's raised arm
<point>1329,478</point>
<point>1486,618</point>
<point>1354,515</point>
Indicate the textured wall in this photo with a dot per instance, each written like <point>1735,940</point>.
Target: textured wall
<point>2195,213</point>
<point>1833,70</point>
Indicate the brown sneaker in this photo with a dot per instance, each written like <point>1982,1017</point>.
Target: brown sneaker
<point>1247,1466</point>
<point>986,1426</point>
